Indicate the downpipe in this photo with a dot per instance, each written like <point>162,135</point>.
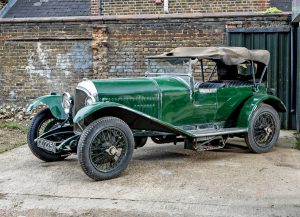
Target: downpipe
<point>292,75</point>
<point>166,6</point>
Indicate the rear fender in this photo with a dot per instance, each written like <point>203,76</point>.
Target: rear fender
<point>251,105</point>
<point>53,102</point>
<point>135,119</point>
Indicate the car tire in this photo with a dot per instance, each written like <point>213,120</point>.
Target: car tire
<point>35,127</point>
<point>264,129</point>
<point>98,147</point>
<point>140,141</point>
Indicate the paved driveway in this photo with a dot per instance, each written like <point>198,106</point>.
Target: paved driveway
<point>161,180</point>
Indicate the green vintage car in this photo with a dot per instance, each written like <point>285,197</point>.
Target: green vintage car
<point>198,96</point>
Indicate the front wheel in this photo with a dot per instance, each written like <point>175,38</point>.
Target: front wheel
<point>42,122</point>
<point>264,129</point>
<point>105,148</point>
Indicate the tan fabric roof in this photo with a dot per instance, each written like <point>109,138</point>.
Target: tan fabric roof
<point>228,55</point>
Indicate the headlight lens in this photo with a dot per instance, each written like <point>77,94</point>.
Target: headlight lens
<point>66,102</point>
<point>89,100</point>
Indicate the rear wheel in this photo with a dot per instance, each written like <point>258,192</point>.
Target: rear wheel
<point>264,129</point>
<point>41,123</point>
<point>105,148</point>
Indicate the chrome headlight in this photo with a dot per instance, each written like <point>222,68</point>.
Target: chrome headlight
<point>66,102</point>
<point>89,100</point>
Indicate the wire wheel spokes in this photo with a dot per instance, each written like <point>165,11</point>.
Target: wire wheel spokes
<point>108,149</point>
<point>264,129</point>
<point>46,125</point>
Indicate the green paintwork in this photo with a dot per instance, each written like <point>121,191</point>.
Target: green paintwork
<point>205,104</point>
<point>170,102</point>
<point>167,106</point>
<point>252,103</point>
<point>167,98</point>
<point>140,94</point>
<point>229,99</point>
<point>53,102</point>
<point>99,106</point>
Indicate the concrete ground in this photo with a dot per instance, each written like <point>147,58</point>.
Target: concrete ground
<point>161,180</point>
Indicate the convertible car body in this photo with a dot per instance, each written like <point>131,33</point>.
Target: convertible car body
<point>104,120</point>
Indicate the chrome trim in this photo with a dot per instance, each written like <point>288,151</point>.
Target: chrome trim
<point>159,95</point>
<point>89,88</point>
<point>189,73</point>
<point>68,95</point>
<point>183,81</point>
<point>189,86</point>
<point>217,132</point>
<point>90,97</point>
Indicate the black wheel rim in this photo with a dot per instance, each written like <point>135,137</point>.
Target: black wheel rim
<point>264,129</point>
<point>46,125</point>
<point>108,149</point>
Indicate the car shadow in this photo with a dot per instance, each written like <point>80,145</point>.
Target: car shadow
<point>163,155</point>
<point>234,148</point>
<point>169,152</point>
<point>178,152</point>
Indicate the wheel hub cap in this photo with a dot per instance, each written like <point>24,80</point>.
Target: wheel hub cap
<point>112,150</point>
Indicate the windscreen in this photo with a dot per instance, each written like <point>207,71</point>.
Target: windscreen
<point>169,66</point>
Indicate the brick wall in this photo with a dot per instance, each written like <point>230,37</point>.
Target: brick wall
<point>118,7</point>
<point>95,8</point>
<point>130,41</point>
<point>37,57</point>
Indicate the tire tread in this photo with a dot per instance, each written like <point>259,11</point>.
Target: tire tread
<point>81,146</point>
<point>39,153</point>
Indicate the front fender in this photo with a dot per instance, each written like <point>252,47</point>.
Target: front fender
<point>90,109</point>
<point>53,102</point>
<point>253,102</point>
<point>135,119</point>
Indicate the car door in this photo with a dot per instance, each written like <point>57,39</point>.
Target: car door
<point>205,103</point>
<point>229,98</point>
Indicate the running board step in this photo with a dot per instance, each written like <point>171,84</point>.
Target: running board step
<point>216,132</point>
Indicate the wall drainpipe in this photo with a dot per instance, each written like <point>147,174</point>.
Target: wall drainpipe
<point>292,75</point>
<point>166,6</point>
<point>100,7</point>
<point>297,69</point>
<point>295,80</point>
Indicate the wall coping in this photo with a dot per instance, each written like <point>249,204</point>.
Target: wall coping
<point>142,17</point>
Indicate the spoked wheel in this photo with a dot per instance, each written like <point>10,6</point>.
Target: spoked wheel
<point>264,129</point>
<point>105,148</point>
<point>41,123</point>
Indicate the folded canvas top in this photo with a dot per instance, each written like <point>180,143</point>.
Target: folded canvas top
<point>228,55</point>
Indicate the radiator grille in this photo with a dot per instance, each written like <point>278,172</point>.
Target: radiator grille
<point>79,101</point>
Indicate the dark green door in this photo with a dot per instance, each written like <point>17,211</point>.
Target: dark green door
<point>205,104</point>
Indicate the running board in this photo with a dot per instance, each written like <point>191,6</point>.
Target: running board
<point>216,132</point>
